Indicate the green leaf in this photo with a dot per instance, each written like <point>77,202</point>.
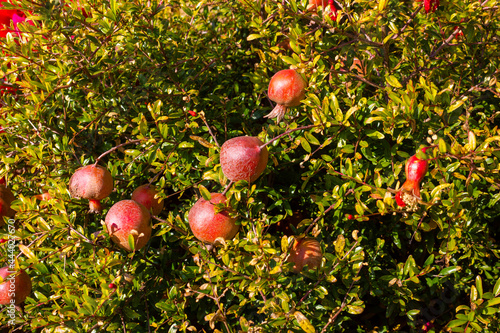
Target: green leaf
<point>374,134</point>
<point>473,294</point>
<point>355,309</point>
<point>204,192</point>
<point>493,302</point>
<point>479,286</point>
<point>456,323</point>
<point>304,323</point>
<point>253,36</point>
<point>381,5</point>
<point>131,242</point>
<point>391,79</point>
<point>449,270</point>
<point>496,288</point>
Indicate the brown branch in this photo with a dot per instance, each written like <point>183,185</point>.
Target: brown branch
<point>115,148</point>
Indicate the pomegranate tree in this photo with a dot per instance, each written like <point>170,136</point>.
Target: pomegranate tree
<point>210,219</point>
<point>129,218</point>
<point>92,182</point>
<point>243,158</point>
<point>146,195</point>
<point>415,170</point>
<point>16,286</point>
<point>287,88</point>
<point>305,251</point>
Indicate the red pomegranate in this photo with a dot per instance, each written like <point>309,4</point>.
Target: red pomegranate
<point>16,286</point>
<point>125,218</point>
<point>305,251</point>
<point>415,170</point>
<point>243,158</point>
<point>145,194</point>
<point>6,198</point>
<point>286,88</point>
<point>92,182</point>
<point>208,222</point>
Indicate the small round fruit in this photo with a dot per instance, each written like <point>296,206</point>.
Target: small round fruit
<point>286,88</point>
<point>16,286</point>
<point>92,182</point>
<point>128,217</point>
<point>305,251</point>
<point>112,286</point>
<point>145,194</point>
<point>6,198</point>
<point>208,222</point>
<point>243,158</point>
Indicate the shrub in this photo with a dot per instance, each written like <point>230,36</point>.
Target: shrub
<point>151,89</point>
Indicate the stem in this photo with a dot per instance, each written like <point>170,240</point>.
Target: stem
<point>115,148</point>
<point>209,129</point>
<point>227,188</point>
<point>286,133</point>
<point>171,225</point>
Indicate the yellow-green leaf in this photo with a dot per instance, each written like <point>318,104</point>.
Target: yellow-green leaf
<point>304,323</point>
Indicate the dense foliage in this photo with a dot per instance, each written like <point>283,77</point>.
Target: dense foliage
<point>152,89</point>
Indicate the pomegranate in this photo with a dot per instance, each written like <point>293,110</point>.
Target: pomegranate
<point>45,196</point>
<point>92,182</point>
<point>333,10</point>
<point>208,222</point>
<point>16,286</point>
<point>6,198</point>
<point>430,5</point>
<point>243,158</point>
<point>415,170</point>
<point>314,4</point>
<point>287,88</point>
<point>125,218</point>
<point>145,194</point>
<point>305,251</point>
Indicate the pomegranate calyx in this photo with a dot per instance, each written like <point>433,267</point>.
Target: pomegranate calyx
<point>278,112</point>
<point>95,206</point>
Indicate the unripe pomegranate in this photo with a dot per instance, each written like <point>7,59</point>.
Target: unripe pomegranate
<point>92,182</point>
<point>287,88</point>
<point>415,170</point>
<point>16,286</point>
<point>305,251</point>
<point>208,221</point>
<point>6,198</point>
<point>128,217</point>
<point>243,158</point>
<point>145,194</point>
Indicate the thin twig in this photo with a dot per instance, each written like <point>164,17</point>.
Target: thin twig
<point>115,148</point>
<point>209,129</point>
<point>286,133</point>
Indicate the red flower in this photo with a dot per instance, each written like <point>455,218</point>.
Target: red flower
<point>192,113</point>
<point>431,5</point>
